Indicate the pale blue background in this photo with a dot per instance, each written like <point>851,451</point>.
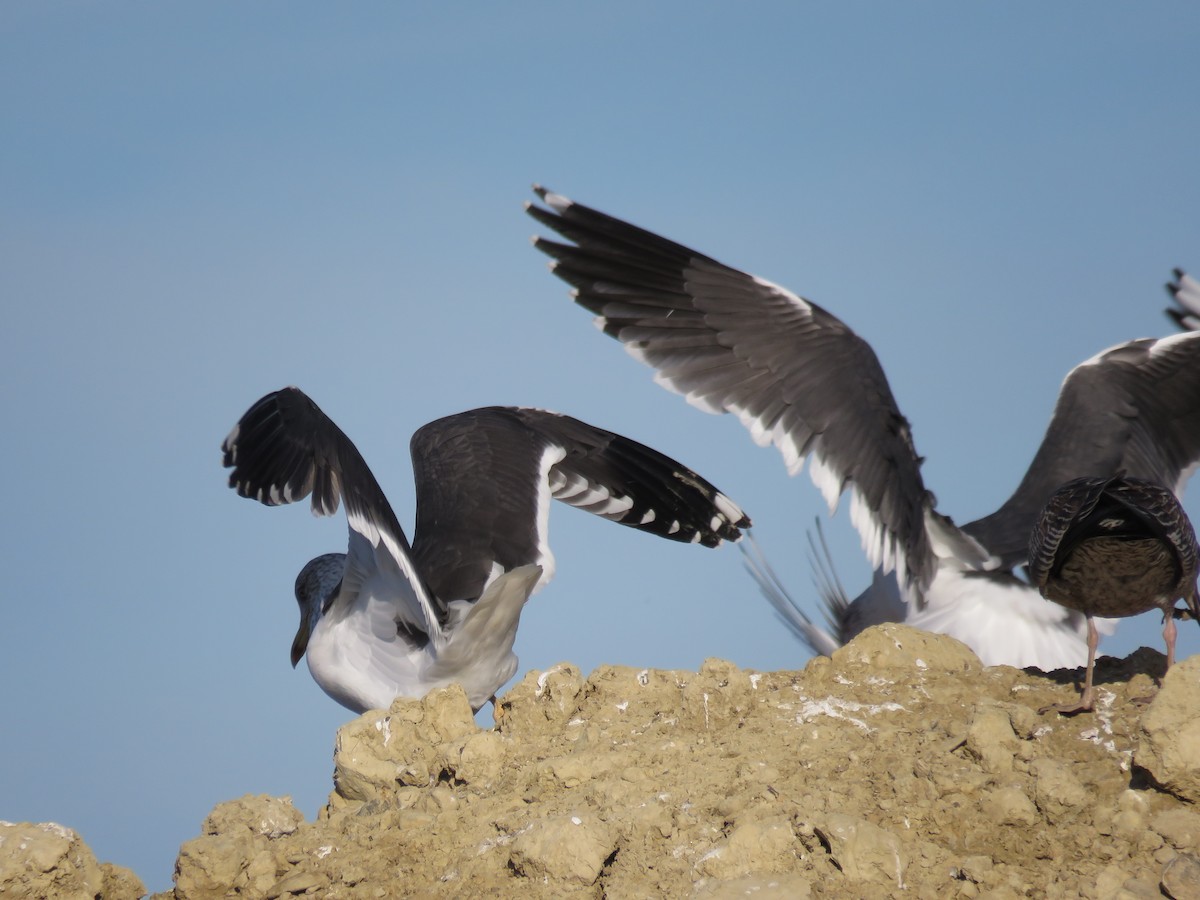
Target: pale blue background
<point>200,203</point>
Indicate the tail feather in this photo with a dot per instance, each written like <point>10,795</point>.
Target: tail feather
<point>835,602</point>
<point>820,641</point>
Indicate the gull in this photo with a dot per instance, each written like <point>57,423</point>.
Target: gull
<point>388,618</point>
<point>882,602</point>
<point>1114,546</point>
<point>799,378</point>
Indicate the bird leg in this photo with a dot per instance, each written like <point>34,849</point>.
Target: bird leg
<point>1170,632</point>
<point>1086,700</point>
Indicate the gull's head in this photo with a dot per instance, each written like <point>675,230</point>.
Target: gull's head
<point>316,586</point>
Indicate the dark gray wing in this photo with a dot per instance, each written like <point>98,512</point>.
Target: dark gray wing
<point>285,448</point>
<point>1185,291</point>
<point>485,479</point>
<point>794,374</point>
<point>1134,407</point>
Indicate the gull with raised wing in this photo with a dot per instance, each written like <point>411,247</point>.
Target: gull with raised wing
<point>386,618</point>
<point>799,378</point>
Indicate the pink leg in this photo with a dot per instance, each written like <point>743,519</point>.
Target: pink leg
<point>1170,631</point>
<point>1086,700</point>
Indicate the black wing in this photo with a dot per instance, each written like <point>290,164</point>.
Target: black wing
<point>485,479</point>
<point>794,374</point>
<point>285,448</point>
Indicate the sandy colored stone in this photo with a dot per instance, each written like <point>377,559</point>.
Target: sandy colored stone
<point>1179,827</point>
<point>120,883</point>
<point>1170,732</point>
<point>540,699</point>
<point>570,849</point>
<point>46,860</point>
<point>756,847</point>
<point>381,750</point>
<point>895,646</point>
<point>863,850</point>
<point>1057,791</point>
<point>900,769</point>
<point>1010,806</point>
<point>991,739</point>
<point>294,884</point>
<point>213,865</point>
<point>1116,882</point>
<point>1181,878</point>
<point>758,887</point>
<point>270,817</point>
<point>477,759</point>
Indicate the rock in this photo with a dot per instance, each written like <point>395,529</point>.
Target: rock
<point>1179,827</point>
<point>477,759</point>
<point>570,849</point>
<point>1116,883</point>
<point>895,646</point>
<point>540,699</point>
<point>757,847</point>
<point>47,860</point>
<point>380,750</point>
<point>991,739</point>
<point>901,768</point>
<point>295,883</point>
<point>213,865</point>
<point>1170,732</point>
<point>758,887</point>
<point>119,883</point>
<point>1181,878</point>
<point>863,851</point>
<point>270,817</point>
<point>1010,806</point>
<point>1057,791</point>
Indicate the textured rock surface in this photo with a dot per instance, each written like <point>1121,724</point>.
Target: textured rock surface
<point>898,768</point>
<point>48,860</point>
<point>1169,749</point>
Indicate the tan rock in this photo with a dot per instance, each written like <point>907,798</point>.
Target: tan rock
<point>1181,878</point>
<point>1010,806</point>
<point>895,646</point>
<point>540,699</point>
<point>380,750</point>
<point>294,884</point>
<point>569,849</point>
<point>902,770</point>
<point>991,739</point>
<point>213,865</point>
<point>1057,791</point>
<point>477,759</point>
<point>1170,732</point>
<point>1179,827</point>
<point>120,883</point>
<point>864,851</point>
<point>757,847</point>
<point>270,817</point>
<point>46,860</point>
<point>758,887</point>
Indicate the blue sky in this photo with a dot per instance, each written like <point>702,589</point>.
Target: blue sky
<point>205,202</point>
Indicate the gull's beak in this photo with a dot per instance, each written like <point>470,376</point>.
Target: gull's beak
<point>300,644</point>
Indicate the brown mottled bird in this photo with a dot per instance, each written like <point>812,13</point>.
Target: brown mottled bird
<point>1114,546</point>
